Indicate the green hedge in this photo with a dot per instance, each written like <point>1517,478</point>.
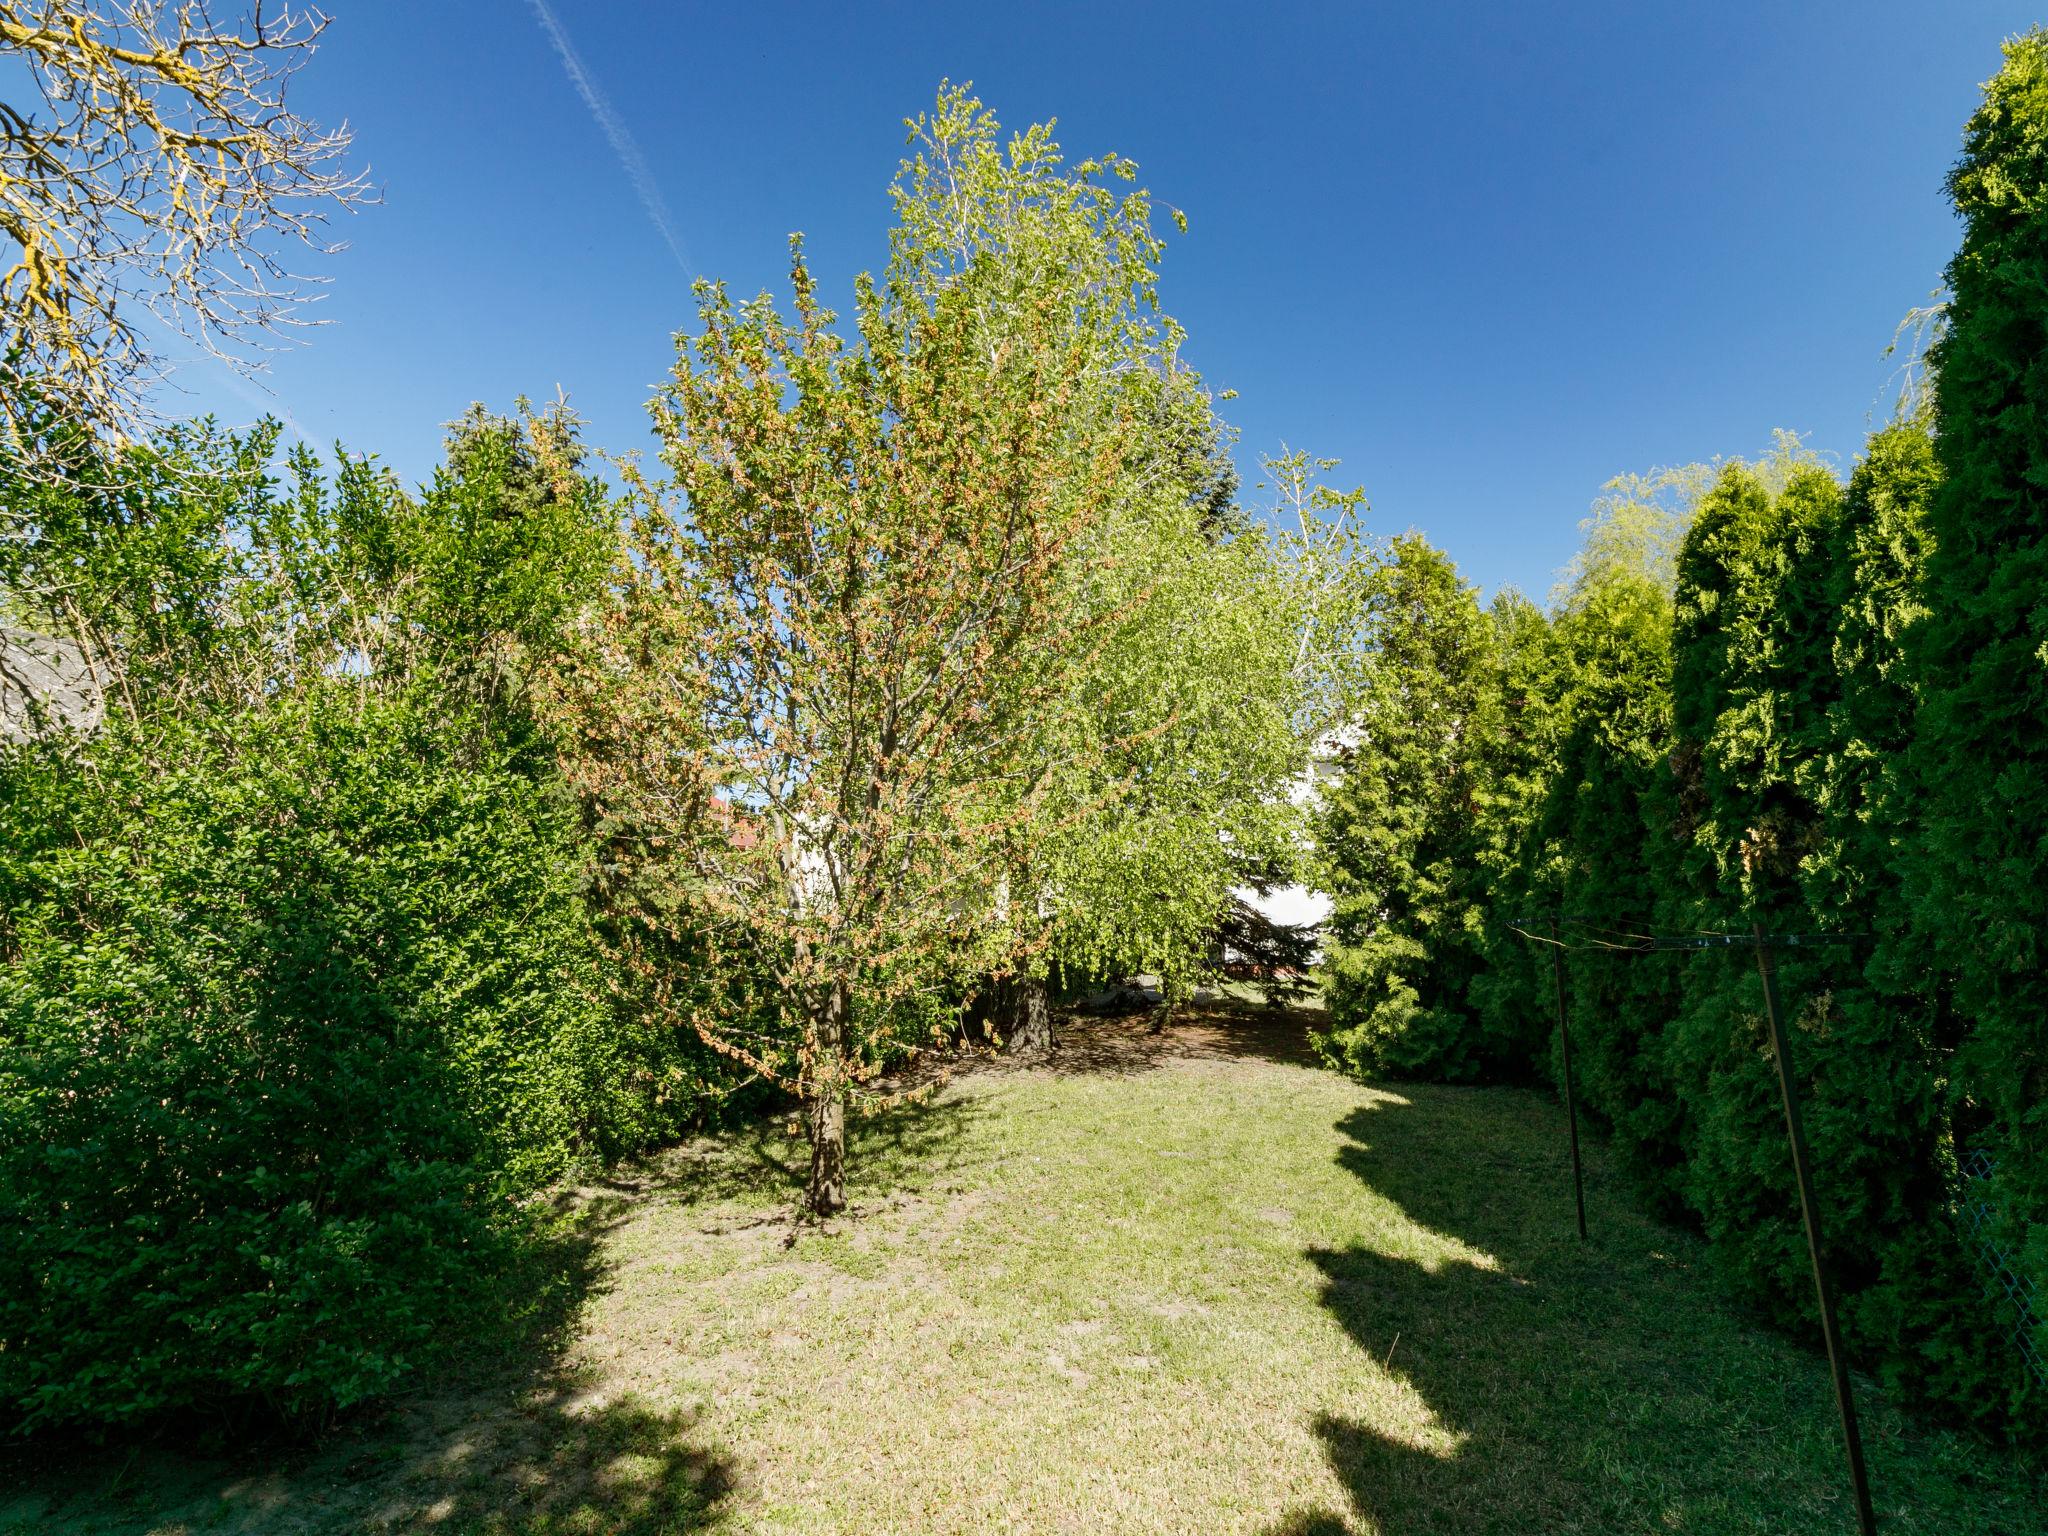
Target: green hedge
<point>1793,703</point>
<point>1750,677</point>
<point>1608,814</point>
<point>295,1004</point>
<point>1975,830</point>
<point>1837,722</point>
<point>1735,753</point>
<point>302,960</point>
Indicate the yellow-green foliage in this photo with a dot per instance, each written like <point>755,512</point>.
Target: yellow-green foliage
<point>1195,685</point>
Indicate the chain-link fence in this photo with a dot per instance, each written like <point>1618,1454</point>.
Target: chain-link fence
<point>1981,1224</point>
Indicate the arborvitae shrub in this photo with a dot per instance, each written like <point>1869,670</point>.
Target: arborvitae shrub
<point>1913,1301</point>
<point>1975,830</point>
<point>1751,675</point>
<point>1607,810</point>
<point>1396,833</point>
<point>1791,697</point>
<point>1513,854</point>
<point>1732,757</point>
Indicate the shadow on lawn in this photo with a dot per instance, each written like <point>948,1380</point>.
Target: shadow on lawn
<point>1591,1387</point>
<point>1225,1030</point>
<point>768,1159</point>
<point>512,1439</point>
<point>542,1461</point>
<point>1505,1357</point>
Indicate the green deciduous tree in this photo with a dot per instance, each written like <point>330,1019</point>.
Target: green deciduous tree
<point>1200,685</point>
<point>863,605</point>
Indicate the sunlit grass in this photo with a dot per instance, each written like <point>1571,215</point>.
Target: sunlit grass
<point>1178,1285</point>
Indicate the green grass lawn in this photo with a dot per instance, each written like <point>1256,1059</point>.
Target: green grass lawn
<point>1187,1284</point>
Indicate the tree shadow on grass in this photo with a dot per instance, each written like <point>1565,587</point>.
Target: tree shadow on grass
<point>550,1461</point>
<point>1223,1030</point>
<point>538,1464</point>
<point>508,1437</point>
<point>1594,1387</point>
<point>766,1162</point>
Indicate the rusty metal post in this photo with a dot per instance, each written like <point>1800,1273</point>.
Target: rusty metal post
<point>1571,1102</point>
<point>1795,1132</point>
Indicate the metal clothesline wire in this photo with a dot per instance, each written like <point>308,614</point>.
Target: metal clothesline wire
<point>1703,938</point>
<point>1612,922</point>
<point>1763,945</point>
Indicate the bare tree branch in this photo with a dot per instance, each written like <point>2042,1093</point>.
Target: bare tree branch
<point>157,171</point>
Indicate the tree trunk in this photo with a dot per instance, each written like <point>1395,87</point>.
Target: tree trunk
<point>825,1110</point>
<point>1026,1019</point>
<point>1163,1016</point>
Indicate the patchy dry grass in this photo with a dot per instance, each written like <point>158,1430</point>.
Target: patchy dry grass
<point>1179,1284</point>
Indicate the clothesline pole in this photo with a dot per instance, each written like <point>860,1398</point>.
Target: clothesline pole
<point>1795,1132</point>
<point>1571,1103</point>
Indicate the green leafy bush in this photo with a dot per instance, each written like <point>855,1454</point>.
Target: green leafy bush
<point>292,1008</point>
<point>301,984</point>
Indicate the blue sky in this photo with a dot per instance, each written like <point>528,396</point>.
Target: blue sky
<point>1487,254</point>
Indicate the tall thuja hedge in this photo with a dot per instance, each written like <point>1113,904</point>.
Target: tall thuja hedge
<point>1977,831</point>
<point>1791,703</point>
<point>1607,814</point>
<point>1513,860</point>
<point>1582,813</point>
<point>1915,1304</point>
<point>1395,830</point>
<point>1751,678</point>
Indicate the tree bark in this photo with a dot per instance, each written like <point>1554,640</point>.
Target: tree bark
<point>1163,1015</point>
<point>1026,1017</point>
<point>825,1111</point>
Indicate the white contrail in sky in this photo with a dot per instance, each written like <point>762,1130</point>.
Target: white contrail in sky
<point>263,398</point>
<point>621,138</point>
<point>244,385</point>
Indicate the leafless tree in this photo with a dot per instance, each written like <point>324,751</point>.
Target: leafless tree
<point>152,171</point>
